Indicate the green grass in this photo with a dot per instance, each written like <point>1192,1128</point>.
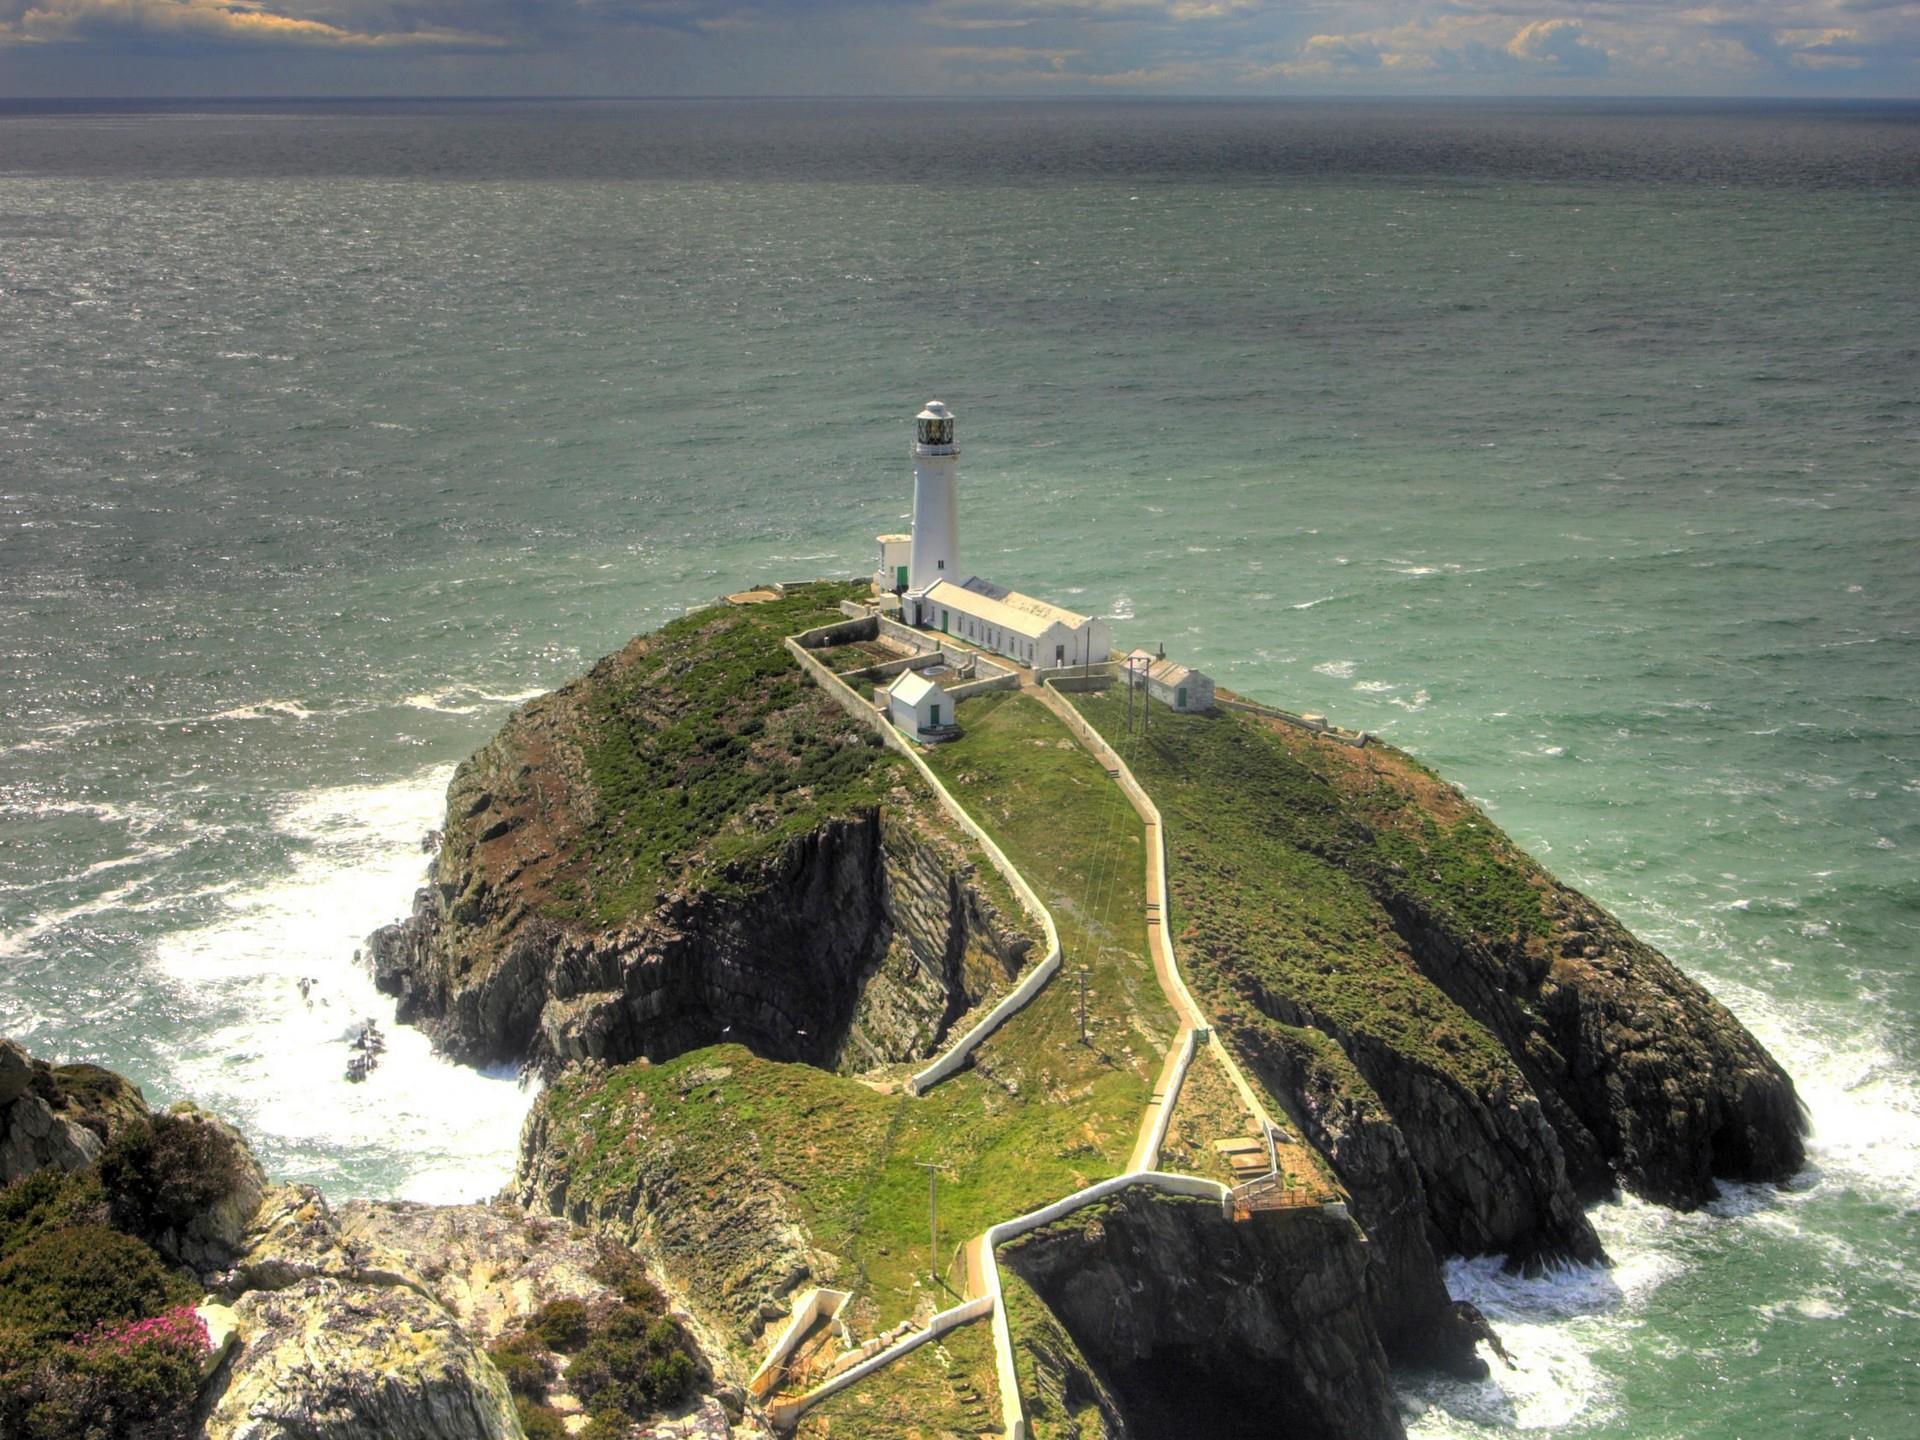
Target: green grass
<point>943,1389</point>
<point>1037,1116</point>
<point>1279,866</point>
<point>713,750</point>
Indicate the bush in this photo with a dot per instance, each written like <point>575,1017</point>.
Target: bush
<point>523,1370</point>
<point>635,1364</point>
<point>541,1422</point>
<point>560,1325</point>
<point>161,1173</point>
<point>48,1200</point>
<point>73,1279</point>
<point>133,1380</point>
<point>620,1270</point>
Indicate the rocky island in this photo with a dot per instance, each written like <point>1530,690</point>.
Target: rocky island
<point>1210,1042</point>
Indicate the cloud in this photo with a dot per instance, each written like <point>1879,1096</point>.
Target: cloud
<point>1559,45</point>
<point>231,22</point>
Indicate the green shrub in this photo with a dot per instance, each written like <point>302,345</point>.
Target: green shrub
<point>635,1363</point>
<point>541,1422</point>
<point>606,1424</point>
<point>161,1173</point>
<point>620,1270</point>
<point>48,1200</point>
<point>131,1381</point>
<point>69,1280</point>
<point>523,1370</point>
<point>560,1325</point>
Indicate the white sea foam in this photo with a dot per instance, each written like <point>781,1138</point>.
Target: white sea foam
<point>467,699</point>
<point>278,1066</point>
<point>1337,669</point>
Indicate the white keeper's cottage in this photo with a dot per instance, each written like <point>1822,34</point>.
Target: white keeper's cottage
<point>937,592</point>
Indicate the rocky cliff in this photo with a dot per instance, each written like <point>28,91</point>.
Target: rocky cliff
<point>377,1321</point>
<point>672,851</point>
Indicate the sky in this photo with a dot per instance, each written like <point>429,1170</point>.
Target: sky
<point>1845,48</point>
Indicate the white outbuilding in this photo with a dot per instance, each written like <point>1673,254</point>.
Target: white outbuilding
<point>1179,687</point>
<point>1026,630</point>
<point>891,571</point>
<point>919,707</point>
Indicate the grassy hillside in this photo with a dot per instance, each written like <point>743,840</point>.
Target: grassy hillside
<point>1037,1115</point>
<point>1283,852</point>
<point>705,747</point>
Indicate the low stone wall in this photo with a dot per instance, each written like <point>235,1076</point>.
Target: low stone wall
<point>1096,677</point>
<point>1005,680</point>
<point>805,1311</point>
<point>862,627</point>
<point>1356,738</point>
<point>918,640</point>
<point>955,1054</point>
<point>785,1413</point>
<point>1189,1047</point>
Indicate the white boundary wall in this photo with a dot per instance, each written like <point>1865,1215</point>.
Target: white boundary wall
<point>1013,1415</point>
<point>955,1055</point>
<point>785,1414</point>
<point>804,1314</point>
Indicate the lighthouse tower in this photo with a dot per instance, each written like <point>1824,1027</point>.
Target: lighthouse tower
<point>936,500</point>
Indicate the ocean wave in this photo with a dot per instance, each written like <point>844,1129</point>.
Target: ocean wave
<point>272,1057</point>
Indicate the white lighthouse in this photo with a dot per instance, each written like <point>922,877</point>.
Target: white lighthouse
<point>936,500</point>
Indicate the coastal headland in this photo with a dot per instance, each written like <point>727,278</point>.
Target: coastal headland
<point>1068,1077</point>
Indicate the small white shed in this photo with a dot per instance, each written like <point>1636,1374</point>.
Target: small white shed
<point>1178,687</point>
<point>919,707</point>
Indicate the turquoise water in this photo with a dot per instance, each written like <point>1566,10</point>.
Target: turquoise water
<point>1570,449</point>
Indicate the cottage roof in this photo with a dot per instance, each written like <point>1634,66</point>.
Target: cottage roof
<point>910,687</point>
<point>1008,609</point>
<point>1162,668</point>
<point>890,539</point>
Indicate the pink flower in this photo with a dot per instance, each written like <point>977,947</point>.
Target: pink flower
<point>180,1328</point>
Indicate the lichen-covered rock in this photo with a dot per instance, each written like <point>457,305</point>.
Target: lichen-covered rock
<point>330,1359</point>
<point>295,1237</point>
<point>58,1116</point>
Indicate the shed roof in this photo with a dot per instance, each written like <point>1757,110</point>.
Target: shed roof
<point>1009,609</point>
<point>910,687</point>
<point>894,539</point>
<point>1162,668</point>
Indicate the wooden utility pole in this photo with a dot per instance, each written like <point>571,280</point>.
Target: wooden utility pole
<point>932,1167</point>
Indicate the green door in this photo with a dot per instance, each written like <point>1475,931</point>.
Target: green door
<point>1180,698</point>
<point>943,622</point>
<point>935,711</point>
<point>900,576</point>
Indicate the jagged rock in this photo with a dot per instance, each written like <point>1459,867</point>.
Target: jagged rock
<point>295,1237</point>
<point>16,1073</point>
<point>327,1359</point>
<point>857,944</point>
<point>33,1138</point>
<point>1199,1325</point>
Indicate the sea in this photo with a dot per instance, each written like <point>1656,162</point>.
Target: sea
<point>1571,447</point>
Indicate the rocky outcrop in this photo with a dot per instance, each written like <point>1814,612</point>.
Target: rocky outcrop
<point>1648,1080</point>
<point>738,1252</point>
<point>58,1116</point>
<point>351,1360</point>
<point>1202,1326</point>
<point>857,944</point>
